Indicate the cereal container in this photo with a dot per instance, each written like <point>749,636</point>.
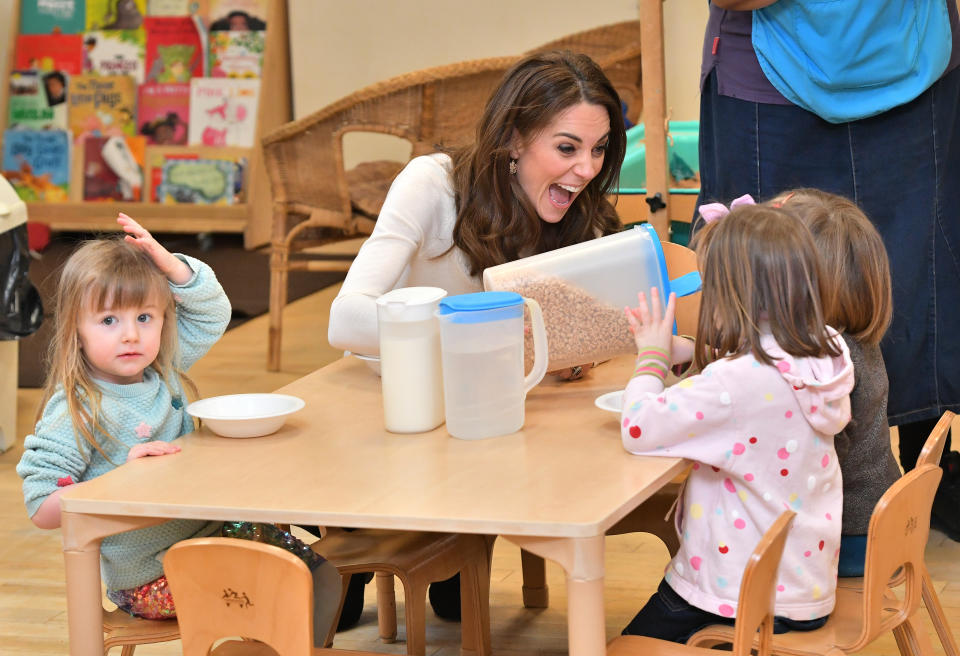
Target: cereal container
<point>582,290</point>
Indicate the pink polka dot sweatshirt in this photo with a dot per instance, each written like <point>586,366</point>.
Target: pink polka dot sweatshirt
<point>761,437</point>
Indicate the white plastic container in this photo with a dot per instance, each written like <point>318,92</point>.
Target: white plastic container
<point>583,289</point>
<point>483,382</point>
<point>410,370</point>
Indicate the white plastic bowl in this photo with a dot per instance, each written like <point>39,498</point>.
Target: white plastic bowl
<point>245,415</point>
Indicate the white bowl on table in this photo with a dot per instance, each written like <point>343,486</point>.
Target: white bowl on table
<point>245,415</point>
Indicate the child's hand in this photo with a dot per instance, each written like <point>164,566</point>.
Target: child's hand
<point>175,269</point>
<point>649,328</point>
<point>155,448</point>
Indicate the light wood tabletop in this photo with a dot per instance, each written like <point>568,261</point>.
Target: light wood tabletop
<point>553,488</point>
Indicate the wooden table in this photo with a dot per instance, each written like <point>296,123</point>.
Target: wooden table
<point>553,488</point>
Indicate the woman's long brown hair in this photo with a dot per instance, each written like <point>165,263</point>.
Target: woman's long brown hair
<point>496,223</point>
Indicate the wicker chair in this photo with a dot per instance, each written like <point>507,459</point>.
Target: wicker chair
<point>316,201</point>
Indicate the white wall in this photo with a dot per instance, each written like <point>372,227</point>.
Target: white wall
<point>340,46</point>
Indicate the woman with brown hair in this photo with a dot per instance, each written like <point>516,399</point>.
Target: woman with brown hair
<point>548,149</point>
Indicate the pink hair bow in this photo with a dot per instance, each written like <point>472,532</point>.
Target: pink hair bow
<point>715,211</point>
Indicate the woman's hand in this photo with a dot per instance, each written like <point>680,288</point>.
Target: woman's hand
<point>652,327</point>
<point>155,448</point>
<point>175,269</point>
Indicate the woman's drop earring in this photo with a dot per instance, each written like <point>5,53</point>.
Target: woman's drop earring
<point>513,167</point>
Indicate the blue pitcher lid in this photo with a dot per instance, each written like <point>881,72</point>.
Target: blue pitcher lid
<point>479,301</point>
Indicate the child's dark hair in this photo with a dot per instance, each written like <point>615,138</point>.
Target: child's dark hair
<point>759,265</point>
<point>857,298</point>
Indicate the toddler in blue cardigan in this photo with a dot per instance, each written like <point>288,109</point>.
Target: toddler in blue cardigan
<point>131,317</point>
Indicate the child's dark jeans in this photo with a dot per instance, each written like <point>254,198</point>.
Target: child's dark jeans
<point>668,616</point>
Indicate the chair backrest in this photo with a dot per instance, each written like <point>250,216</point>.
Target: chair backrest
<point>225,587</point>
<point>755,608</point>
<point>681,261</point>
<point>933,447</point>
<point>896,538</point>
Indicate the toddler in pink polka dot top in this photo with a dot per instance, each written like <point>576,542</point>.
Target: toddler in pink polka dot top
<point>758,420</point>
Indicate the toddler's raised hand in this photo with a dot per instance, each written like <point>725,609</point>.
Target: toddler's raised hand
<point>155,448</point>
<point>652,327</point>
<point>175,269</point>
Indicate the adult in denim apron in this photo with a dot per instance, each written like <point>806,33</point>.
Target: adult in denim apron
<point>901,166</point>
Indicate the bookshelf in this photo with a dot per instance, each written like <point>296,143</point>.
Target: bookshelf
<point>251,218</point>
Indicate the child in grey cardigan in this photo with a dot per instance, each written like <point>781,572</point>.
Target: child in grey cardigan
<point>856,301</point>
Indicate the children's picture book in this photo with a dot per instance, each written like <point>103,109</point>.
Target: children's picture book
<point>203,181</point>
<point>163,111</point>
<point>236,54</point>
<point>236,15</point>
<point>113,168</point>
<point>174,49</point>
<point>37,100</point>
<point>37,164</point>
<point>114,52</point>
<point>101,106</point>
<point>49,52</point>
<point>49,16</point>
<point>223,111</point>
<point>115,14</point>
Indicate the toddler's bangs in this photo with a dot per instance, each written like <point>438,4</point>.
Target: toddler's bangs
<point>128,282</point>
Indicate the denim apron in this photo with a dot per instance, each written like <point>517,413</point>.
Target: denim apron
<point>902,167</point>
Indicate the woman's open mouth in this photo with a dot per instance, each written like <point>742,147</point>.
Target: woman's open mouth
<point>561,195</point>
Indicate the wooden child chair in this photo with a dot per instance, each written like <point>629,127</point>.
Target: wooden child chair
<point>418,559</point>
<point>230,588</point>
<point>754,608</point>
<point>896,539</point>
<point>121,629</point>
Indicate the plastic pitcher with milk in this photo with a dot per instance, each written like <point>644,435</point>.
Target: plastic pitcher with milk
<point>410,370</point>
<point>481,338</point>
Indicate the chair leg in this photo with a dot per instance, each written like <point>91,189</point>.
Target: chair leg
<point>386,607</point>
<point>536,593</point>
<point>935,610</point>
<point>912,639</point>
<point>475,607</point>
<point>415,605</point>
<point>127,650</point>
<point>278,300</point>
<point>344,584</point>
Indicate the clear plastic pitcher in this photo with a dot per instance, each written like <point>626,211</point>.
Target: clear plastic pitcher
<point>410,373</point>
<point>481,337</point>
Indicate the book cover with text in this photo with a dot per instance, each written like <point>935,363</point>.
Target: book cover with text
<point>102,106</point>
<point>236,54</point>
<point>48,16</point>
<point>223,111</point>
<point>174,50</point>
<point>37,100</point>
<point>113,168</point>
<point>115,14</point>
<point>114,52</point>
<point>37,164</point>
<point>163,111</point>
<point>49,52</point>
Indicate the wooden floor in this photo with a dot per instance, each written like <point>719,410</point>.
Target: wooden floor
<point>32,597</point>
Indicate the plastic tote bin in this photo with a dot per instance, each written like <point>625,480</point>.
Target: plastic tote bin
<point>582,290</point>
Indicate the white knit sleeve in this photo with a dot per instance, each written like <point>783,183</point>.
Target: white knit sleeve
<point>411,214</point>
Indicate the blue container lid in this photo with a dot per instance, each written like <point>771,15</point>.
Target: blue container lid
<point>481,307</point>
